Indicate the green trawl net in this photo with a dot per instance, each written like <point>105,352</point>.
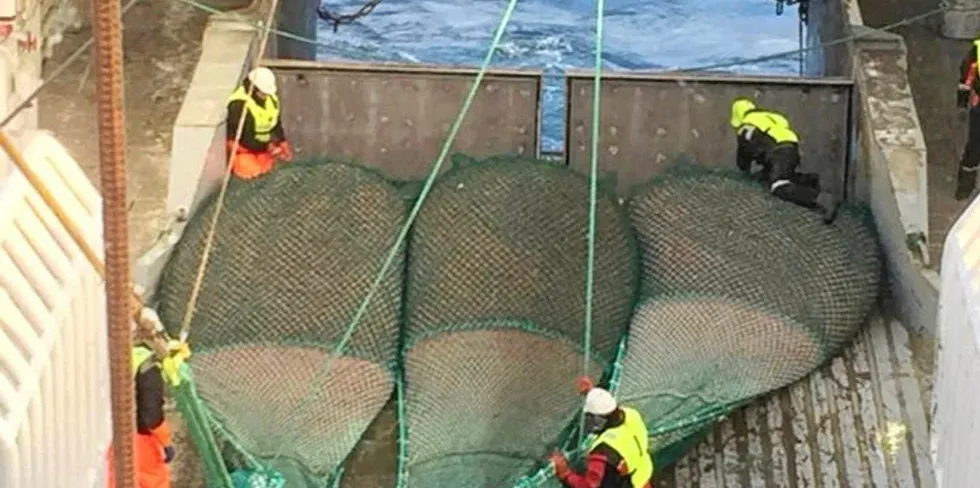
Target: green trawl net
<point>742,294</point>
<point>739,293</point>
<point>495,312</point>
<point>294,255</point>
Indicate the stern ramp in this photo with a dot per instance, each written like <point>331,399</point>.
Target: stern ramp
<point>747,332</point>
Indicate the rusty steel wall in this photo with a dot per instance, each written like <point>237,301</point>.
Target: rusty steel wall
<point>649,120</point>
<point>396,117</point>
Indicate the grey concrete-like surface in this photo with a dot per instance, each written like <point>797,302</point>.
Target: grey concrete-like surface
<point>649,121</point>
<point>397,119</point>
<point>161,42</point>
<point>933,68</point>
<point>962,20</point>
<point>861,420</point>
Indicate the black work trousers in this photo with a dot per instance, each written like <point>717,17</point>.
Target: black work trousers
<point>971,151</point>
<point>785,183</point>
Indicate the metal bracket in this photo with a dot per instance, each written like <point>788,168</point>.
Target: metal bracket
<point>918,246</point>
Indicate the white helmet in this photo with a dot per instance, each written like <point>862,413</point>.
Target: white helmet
<point>263,79</point>
<point>599,402</point>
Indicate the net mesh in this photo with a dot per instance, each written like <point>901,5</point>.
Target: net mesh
<point>728,293</point>
<point>495,317</point>
<point>742,294</point>
<point>294,254</point>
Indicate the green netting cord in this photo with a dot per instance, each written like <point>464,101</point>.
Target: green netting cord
<point>544,474</point>
<point>667,456</point>
<point>593,194</point>
<point>413,214</point>
<point>191,410</point>
<point>426,188</point>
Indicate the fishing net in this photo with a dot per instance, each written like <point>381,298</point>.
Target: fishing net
<point>495,307</point>
<point>739,294</point>
<point>742,293</point>
<point>294,255</point>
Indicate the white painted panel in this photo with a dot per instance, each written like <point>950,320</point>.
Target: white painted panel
<point>955,442</point>
<point>55,419</point>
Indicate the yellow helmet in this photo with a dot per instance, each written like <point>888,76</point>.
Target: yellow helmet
<point>740,107</point>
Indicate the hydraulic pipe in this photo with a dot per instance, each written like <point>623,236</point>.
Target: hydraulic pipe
<point>112,144</point>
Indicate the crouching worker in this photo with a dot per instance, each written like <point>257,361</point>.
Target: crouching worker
<point>765,139</point>
<point>263,140</point>
<point>619,457</point>
<point>152,445</point>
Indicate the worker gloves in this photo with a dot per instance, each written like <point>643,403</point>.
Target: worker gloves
<point>168,454</point>
<point>282,151</point>
<point>561,465</point>
<point>179,352</point>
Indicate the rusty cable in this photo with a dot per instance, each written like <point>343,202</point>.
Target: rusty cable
<point>185,325</point>
<point>112,171</point>
<point>337,19</point>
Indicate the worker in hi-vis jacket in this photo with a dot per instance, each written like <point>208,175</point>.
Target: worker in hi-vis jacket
<point>152,444</point>
<point>619,456</point>
<point>263,141</point>
<point>969,97</point>
<point>766,140</point>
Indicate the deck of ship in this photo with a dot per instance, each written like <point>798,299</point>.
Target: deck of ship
<point>933,66</point>
<point>860,421</point>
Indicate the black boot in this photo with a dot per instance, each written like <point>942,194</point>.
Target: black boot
<point>828,205</point>
<point>810,180</point>
<point>966,181</point>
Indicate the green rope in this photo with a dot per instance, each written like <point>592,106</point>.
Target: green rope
<point>403,234</point>
<point>593,195</point>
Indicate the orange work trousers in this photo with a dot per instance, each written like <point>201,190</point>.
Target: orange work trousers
<point>248,164</point>
<point>151,467</point>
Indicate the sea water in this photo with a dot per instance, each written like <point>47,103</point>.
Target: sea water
<point>559,34</point>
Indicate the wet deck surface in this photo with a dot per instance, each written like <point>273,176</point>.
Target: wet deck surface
<point>861,421</point>
<point>933,70</point>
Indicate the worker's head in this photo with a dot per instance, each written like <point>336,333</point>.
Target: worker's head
<point>600,408</point>
<point>263,80</point>
<point>740,107</point>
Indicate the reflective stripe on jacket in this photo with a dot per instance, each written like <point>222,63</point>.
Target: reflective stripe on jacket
<point>141,359</point>
<point>773,124</point>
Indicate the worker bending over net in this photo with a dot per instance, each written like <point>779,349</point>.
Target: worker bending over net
<point>768,149</point>
<point>742,294</point>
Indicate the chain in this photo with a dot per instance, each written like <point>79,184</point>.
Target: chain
<point>781,4</point>
<point>338,19</point>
